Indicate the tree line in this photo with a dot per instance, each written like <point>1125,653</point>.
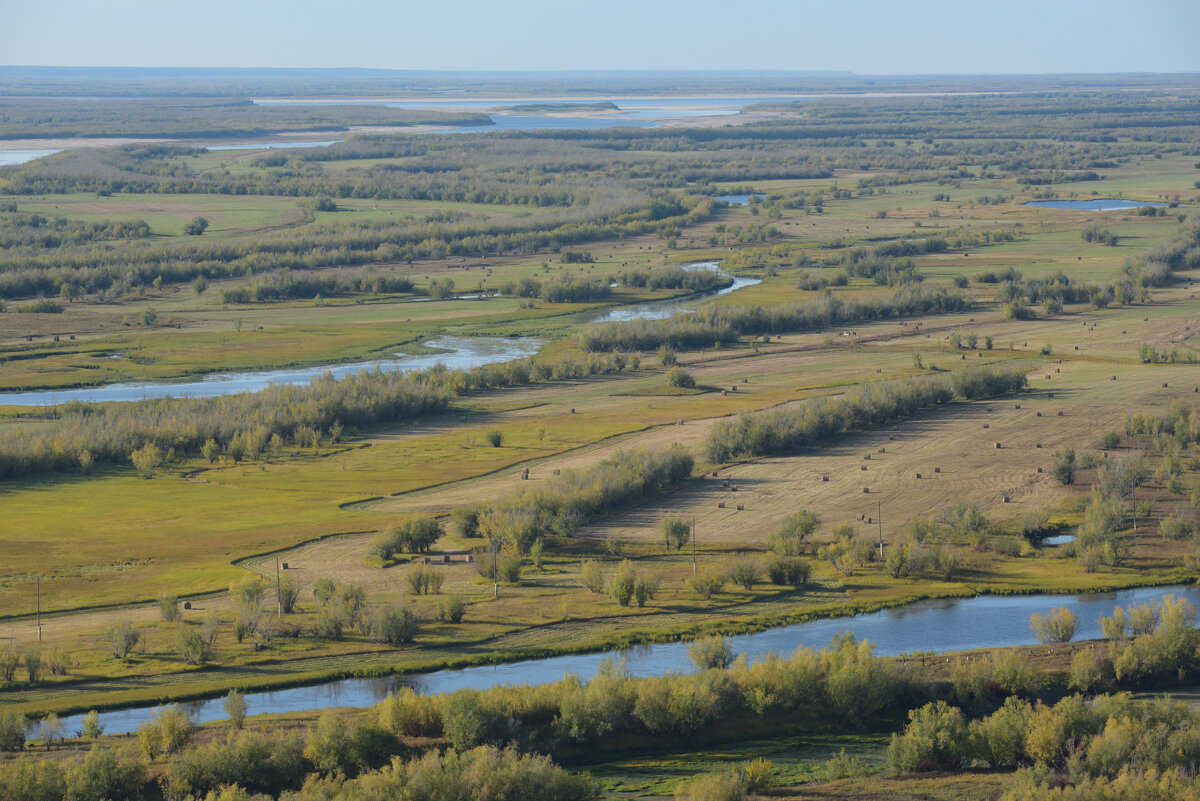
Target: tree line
<point>817,420</point>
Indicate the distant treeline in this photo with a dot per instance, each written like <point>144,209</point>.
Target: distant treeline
<point>42,117</point>
<point>114,269</point>
<point>712,325</point>
<point>818,420</point>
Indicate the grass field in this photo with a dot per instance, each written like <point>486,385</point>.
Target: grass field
<point>196,528</point>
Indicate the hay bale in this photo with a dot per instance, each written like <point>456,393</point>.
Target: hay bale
<point>720,504</point>
<point>1006,499</point>
<point>284,565</point>
<point>1039,469</point>
<point>1038,445</point>
<point>1018,406</point>
<point>868,456</point>
<point>741,507</point>
<point>997,446</point>
<point>1039,414</point>
<point>866,490</point>
<point>187,604</point>
<point>987,425</point>
<point>937,469</point>
<point>1060,413</point>
<point>862,467</point>
<point>1164,385</point>
<point>918,475</point>
<point>825,478</point>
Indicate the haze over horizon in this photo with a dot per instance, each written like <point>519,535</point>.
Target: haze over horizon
<point>867,38</point>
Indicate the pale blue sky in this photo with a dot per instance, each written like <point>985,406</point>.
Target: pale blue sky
<point>890,37</point>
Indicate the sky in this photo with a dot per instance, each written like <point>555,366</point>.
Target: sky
<point>881,37</point>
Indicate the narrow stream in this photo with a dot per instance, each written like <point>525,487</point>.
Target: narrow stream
<point>457,352</point>
<point>985,621</point>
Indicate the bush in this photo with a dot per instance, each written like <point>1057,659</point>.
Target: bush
<point>623,584</point>
<point>235,707</point>
<point>169,730</point>
<point>193,649</point>
<point>495,438</point>
<point>680,378</point>
<point>1064,466</point>
<point>708,653</point>
<point>12,731</point>
<point>255,762</point>
<point>168,607</point>
<point>793,534</point>
<point>122,638</point>
<point>745,572</point>
<point>393,625</point>
<point>414,536</point>
<point>1058,625</point>
<point>510,569</point>
<point>727,786</point>
<point>423,580</point>
<point>789,572</point>
<point>934,739</point>
<point>452,609</point>
<point>706,582</point>
<point>591,576</point>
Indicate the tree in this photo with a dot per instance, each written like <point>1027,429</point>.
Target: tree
<point>934,739</point>
<point>12,730</point>
<point>675,531</point>
<point>1058,625</point>
<point>168,731</point>
<point>393,625</point>
<point>168,607</point>
<point>192,648</point>
<point>235,707</point>
<point>792,536</point>
<point>495,438</point>
<point>33,662</point>
<point>706,582</point>
<point>51,729</point>
<point>196,227</point>
<point>146,459</point>
<point>92,727</point>
<point>623,583</point>
<point>745,572</point>
<point>591,575</point>
<point>122,638</point>
<point>711,652</point>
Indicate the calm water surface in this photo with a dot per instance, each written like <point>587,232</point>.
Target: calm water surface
<point>1099,204</point>
<point>940,626</point>
<point>458,352</point>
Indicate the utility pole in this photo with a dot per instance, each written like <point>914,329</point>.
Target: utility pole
<point>39,607</point>
<point>496,568</point>
<point>879,517</point>
<point>278,586</point>
<point>693,546</point>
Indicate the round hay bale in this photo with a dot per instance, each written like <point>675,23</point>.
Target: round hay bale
<point>997,446</point>
<point>824,478</point>
<point>187,604</point>
<point>866,490</point>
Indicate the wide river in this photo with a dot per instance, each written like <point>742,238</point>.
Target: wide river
<point>985,621</point>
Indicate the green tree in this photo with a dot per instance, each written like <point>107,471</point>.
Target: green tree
<point>196,227</point>
<point>675,532</point>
